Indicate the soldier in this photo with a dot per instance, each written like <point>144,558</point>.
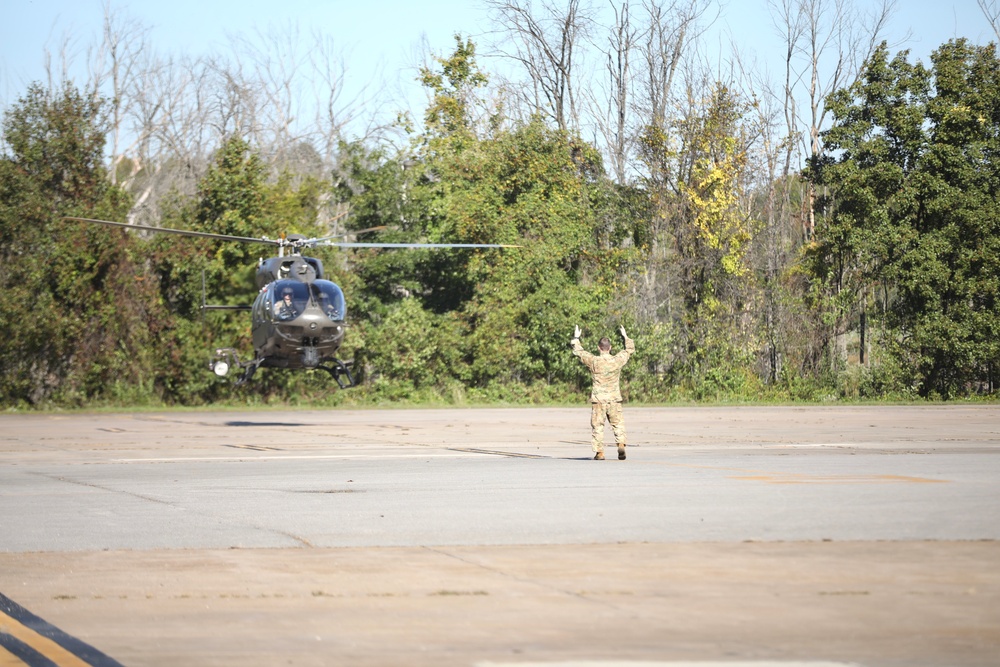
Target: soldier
<point>284,309</point>
<point>606,394</point>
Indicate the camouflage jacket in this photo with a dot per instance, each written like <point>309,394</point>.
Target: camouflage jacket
<point>605,369</point>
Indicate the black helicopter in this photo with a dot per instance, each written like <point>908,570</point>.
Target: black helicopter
<point>298,317</point>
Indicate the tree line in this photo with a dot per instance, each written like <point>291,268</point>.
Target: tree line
<point>754,250</point>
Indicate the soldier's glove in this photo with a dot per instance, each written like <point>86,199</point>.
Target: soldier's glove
<point>576,331</point>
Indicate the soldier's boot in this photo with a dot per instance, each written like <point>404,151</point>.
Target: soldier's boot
<point>599,456</point>
<point>621,452</point>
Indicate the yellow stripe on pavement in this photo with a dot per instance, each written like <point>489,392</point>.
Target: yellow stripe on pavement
<point>40,643</point>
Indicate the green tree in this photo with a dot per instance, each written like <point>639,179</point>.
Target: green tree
<point>914,221</point>
<point>406,192</point>
<point>235,199</point>
<point>531,186</point>
<point>453,88</point>
<point>526,184</point>
<point>487,316</point>
<point>77,325</point>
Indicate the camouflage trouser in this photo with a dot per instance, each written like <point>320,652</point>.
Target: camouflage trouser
<point>612,411</point>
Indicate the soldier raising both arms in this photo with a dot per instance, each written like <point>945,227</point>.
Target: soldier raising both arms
<point>606,394</point>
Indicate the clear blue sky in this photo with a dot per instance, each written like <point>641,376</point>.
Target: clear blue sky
<point>378,32</point>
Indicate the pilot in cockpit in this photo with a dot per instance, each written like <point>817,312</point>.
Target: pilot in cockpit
<point>328,307</point>
<point>284,309</point>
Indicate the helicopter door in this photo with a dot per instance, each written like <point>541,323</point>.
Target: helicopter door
<point>261,307</point>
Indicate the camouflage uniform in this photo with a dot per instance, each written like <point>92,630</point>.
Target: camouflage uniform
<point>284,311</point>
<point>606,394</point>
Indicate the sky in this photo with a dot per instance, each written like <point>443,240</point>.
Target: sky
<point>375,35</point>
<point>382,38</point>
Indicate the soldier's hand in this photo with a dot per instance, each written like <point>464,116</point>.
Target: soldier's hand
<point>576,331</point>
<point>622,329</point>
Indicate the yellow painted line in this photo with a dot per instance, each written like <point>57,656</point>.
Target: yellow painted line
<point>43,645</point>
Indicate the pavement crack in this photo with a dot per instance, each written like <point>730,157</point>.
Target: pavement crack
<point>59,478</point>
<point>91,485</point>
<point>494,452</point>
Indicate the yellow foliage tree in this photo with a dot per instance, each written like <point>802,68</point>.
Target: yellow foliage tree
<point>712,192</point>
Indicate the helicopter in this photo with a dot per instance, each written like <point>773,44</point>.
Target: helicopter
<point>298,318</point>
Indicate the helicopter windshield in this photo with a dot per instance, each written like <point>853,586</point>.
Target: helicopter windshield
<point>330,299</point>
<point>290,298</point>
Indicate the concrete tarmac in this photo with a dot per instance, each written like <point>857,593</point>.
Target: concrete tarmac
<point>485,537</point>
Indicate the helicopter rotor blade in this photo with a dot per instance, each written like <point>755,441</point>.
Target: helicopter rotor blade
<point>327,241</point>
<point>339,236</point>
<point>182,232</point>
<point>416,245</point>
<point>297,243</point>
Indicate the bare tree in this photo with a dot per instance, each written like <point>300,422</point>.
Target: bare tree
<point>667,75</point>
<point>613,120</point>
<point>334,112</point>
<point>829,41</point>
<point>780,328</point>
<point>65,55</point>
<point>670,33</point>
<point>121,68</point>
<point>670,28</point>
<point>114,64</point>
<point>263,75</point>
<point>545,44</point>
<point>166,115</point>
<point>172,114</point>
<point>991,10</point>
<point>790,26</point>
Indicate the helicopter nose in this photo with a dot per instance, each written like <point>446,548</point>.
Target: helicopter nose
<point>315,323</point>
<point>311,320</point>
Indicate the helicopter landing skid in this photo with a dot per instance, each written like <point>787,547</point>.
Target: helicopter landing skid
<point>227,359</point>
<point>338,370</point>
<point>249,368</point>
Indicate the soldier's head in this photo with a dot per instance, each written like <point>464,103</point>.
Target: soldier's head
<point>604,344</point>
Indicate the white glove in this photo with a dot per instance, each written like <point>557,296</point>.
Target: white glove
<point>622,329</point>
<point>576,331</point>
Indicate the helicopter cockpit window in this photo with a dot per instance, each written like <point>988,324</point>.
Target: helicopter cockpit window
<point>330,299</point>
<point>290,298</point>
